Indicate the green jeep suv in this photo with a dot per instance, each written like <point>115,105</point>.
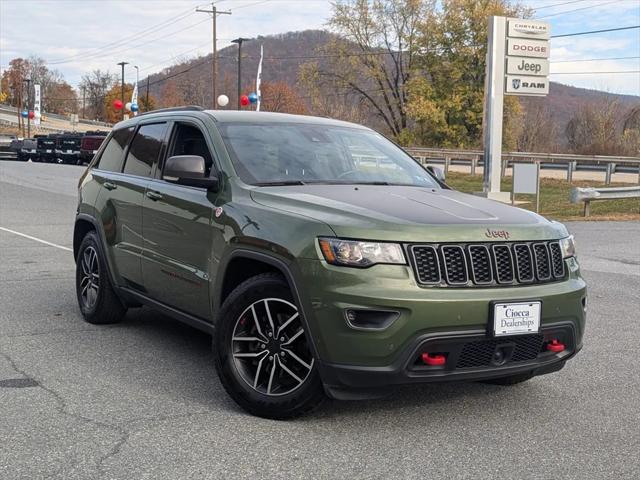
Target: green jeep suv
<point>322,259</point>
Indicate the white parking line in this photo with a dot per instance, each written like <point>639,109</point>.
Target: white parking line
<point>36,239</point>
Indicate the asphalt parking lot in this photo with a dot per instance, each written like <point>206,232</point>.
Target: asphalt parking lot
<point>141,399</point>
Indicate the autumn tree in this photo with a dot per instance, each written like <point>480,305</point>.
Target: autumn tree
<point>447,97</point>
<point>374,58</point>
<point>94,87</point>
<point>112,115</point>
<point>62,99</point>
<point>280,97</point>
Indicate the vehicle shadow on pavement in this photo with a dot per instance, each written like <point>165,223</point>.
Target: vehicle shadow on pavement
<point>186,354</point>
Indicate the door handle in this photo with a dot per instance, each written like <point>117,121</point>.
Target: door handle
<point>153,195</point>
<point>110,185</point>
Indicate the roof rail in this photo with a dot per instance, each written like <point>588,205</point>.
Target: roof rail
<point>188,108</point>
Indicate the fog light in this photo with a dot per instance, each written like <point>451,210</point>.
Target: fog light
<point>364,319</point>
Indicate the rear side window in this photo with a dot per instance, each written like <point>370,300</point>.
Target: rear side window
<point>145,149</point>
<point>113,154</point>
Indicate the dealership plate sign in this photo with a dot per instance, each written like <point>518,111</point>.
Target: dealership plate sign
<point>526,53</point>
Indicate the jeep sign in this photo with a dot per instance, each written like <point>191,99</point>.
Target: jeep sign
<point>528,66</point>
<point>519,85</point>
<point>518,47</point>
<point>528,29</point>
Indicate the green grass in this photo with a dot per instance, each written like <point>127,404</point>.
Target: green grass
<point>554,198</point>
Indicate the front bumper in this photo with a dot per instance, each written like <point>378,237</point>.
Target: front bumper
<point>429,318</point>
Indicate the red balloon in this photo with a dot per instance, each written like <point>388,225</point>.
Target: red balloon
<point>31,115</point>
<point>244,100</point>
<point>117,104</point>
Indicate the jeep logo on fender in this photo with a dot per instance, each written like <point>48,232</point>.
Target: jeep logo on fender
<point>497,234</point>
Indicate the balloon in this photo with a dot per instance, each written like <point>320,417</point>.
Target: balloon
<point>253,98</point>
<point>24,114</point>
<point>128,106</point>
<point>117,104</point>
<point>32,115</point>
<point>134,107</point>
<point>244,100</point>
<point>223,100</point>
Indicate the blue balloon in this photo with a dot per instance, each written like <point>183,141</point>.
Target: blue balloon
<point>134,107</point>
<point>253,98</point>
<point>24,114</point>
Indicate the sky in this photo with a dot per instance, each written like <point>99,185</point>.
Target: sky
<point>77,36</point>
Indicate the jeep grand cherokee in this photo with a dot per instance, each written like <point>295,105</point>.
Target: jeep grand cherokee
<point>322,259</point>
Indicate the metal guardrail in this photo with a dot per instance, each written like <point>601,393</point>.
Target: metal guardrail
<point>609,164</point>
<point>588,195</point>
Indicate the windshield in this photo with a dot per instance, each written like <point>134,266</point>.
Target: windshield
<point>275,154</point>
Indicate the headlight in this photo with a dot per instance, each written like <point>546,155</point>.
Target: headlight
<point>568,247</point>
<point>354,253</point>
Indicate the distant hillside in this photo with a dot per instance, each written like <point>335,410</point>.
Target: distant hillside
<point>283,60</point>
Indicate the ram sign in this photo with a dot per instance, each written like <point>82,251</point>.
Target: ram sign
<point>524,85</point>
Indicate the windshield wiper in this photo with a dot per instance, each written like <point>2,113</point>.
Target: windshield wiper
<point>280,183</point>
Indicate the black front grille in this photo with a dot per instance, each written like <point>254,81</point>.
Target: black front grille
<point>455,265</point>
<point>426,263</point>
<point>543,265</point>
<point>490,264</point>
<point>480,353</point>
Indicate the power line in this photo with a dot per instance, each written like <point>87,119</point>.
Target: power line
<point>596,31</point>
<point>578,9</point>
<point>592,73</point>
<point>95,50</point>
<point>594,59</point>
<point>559,4</point>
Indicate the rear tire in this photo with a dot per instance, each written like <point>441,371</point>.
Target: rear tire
<point>261,352</point>
<point>98,302</point>
<point>510,380</point>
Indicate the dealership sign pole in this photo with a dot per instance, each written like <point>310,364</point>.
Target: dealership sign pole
<point>517,64</point>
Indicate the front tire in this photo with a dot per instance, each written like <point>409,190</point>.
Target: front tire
<point>98,302</point>
<point>262,353</point>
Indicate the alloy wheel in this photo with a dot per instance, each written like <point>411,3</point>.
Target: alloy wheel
<point>269,347</point>
<point>90,282</point>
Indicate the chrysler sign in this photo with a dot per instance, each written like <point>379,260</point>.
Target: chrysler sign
<point>528,29</point>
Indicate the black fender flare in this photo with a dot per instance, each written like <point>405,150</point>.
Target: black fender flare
<point>285,268</point>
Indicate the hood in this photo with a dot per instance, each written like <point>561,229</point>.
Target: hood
<point>409,214</point>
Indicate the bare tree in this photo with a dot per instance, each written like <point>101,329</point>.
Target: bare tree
<point>376,59</point>
<point>542,138</point>
<point>596,129</point>
<point>96,85</point>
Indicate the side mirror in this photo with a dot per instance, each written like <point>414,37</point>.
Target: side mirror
<point>188,170</point>
<point>436,172</point>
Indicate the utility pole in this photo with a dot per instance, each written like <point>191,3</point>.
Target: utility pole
<point>239,41</point>
<point>28,82</point>
<point>84,90</point>
<point>214,15</point>
<point>122,64</point>
<point>146,102</point>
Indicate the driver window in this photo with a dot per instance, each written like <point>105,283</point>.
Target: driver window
<point>189,140</point>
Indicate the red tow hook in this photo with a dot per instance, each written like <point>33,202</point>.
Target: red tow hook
<point>555,346</point>
<point>433,360</point>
